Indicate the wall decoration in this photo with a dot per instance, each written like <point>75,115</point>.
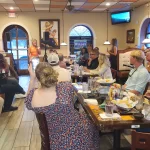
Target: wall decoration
<point>49,30</point>
<point>131,36</point>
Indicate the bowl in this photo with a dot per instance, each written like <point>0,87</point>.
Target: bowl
<point>138,116</point>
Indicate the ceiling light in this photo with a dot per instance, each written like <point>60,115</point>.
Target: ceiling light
<point>107,42</point>
<point>107,4</point>
<point>11,8</point>
<point>63,43</point>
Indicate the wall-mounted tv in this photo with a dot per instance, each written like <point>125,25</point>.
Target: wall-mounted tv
<point>121,17</point>
<point>80,44</point>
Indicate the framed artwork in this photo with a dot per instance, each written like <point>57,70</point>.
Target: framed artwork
<point>131,36</point>
<point>49,30</point>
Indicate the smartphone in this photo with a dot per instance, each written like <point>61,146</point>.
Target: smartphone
<point>35,61</point>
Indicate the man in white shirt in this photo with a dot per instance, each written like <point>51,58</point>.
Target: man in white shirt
<point>139,76</point>
<point>64,75</point>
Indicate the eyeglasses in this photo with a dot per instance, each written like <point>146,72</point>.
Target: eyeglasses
<point>130,75</point>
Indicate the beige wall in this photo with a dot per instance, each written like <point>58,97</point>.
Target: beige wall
<point>96,21</point>
<point>138,17</point>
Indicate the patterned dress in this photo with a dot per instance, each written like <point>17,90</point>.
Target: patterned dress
<point>68,129</point>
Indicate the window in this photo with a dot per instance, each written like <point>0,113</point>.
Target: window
<point>148,35</point>
<point>80,31</point>
<point>16,41</point>
<point>80,36</point>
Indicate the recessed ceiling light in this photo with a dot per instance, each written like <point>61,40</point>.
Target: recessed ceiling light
<point>35,0</point>
<point>11,8</point>
<point>107,4</point>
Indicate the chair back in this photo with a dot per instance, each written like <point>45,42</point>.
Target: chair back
<point>45,141</point>
<point>140,141</point>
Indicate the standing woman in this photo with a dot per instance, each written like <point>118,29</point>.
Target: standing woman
<point>113,53</point>
<point>34,50</point>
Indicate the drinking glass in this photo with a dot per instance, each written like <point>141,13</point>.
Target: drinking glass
<point>139,105</point>
<point>109,107</point>
<point>84,86</point>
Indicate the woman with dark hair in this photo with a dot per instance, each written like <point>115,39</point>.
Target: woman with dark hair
<point>83,57</point>
<point>68,129</point>
<point>113,53</point>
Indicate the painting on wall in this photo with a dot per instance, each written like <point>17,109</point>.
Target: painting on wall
<point>49,30</point>
<point>131,36</point>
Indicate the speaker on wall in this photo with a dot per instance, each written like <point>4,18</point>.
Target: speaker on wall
<point>8,38</point>
<point>45,36</point>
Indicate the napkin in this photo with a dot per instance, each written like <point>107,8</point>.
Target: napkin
<point>91,101</point>
<point>115,116</point>
<point>81,91</point>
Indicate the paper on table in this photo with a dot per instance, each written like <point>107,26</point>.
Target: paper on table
<point>115,116</point>
<point>81,91</point>
<point>91,101</point>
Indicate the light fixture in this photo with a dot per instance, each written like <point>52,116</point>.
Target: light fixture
<point>63,43</point>
<point>107,42</point>
<point>11,8</point>
<point>107,4</point>
<point>146,40</point>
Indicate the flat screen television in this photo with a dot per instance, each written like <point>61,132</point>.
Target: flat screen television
<point>80,44</point>
<point>121,17</point>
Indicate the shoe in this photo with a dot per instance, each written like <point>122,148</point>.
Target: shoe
<point>12,108</point>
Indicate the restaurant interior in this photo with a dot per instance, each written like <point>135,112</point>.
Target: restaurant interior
<point>65,27</point>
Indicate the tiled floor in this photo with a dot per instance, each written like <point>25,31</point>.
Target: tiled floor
<point>19,129</point>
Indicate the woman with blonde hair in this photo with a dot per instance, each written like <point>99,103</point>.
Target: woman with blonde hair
<point>103,69</point>
<point>68,129</point>
<point>34,50</point>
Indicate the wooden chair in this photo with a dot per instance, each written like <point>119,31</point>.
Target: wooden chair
<point>45,142</point>
<point>140,141</point>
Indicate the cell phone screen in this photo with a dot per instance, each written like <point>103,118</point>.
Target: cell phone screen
<point>35,62</point>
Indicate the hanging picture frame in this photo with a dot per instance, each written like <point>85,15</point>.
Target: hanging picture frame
<point>49,30</point>
<point>130,36</point>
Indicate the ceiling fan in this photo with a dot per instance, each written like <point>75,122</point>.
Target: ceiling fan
<point>70,7</point>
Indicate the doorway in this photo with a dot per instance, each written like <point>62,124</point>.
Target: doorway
<point>16,41</point>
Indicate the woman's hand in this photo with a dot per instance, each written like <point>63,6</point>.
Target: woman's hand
<point>31,72</point>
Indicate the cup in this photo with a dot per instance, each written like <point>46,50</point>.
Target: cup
<point>84,86</point>
<point>109,107</point>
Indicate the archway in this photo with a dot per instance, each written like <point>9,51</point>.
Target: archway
<point>16,41</point>
<point>80,36</point>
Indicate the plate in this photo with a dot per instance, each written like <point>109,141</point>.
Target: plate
<point>106,81</point>
<point>125,104</point>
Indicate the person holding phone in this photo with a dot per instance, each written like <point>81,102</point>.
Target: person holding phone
<point>34,50</point>
<point>68,129</point>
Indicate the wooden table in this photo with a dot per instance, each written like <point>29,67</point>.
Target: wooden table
<point>126,122</point>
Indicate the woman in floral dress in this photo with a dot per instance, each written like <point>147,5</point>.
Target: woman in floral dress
<point>68,129</point>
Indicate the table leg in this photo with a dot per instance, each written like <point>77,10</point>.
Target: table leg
<point>116,139</point>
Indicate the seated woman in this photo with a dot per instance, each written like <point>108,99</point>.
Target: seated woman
<point>103,69</point>
<point>68,129</point>
<point>83,57</point>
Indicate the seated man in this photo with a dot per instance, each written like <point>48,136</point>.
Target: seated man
<point>139,76</point>
<point>93,62</point>
<point>64,75</point>
<point>62,64</point>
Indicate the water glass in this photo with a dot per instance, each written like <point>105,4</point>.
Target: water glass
<point>109,108</point>
<point>84,86</point>
<point>139,105</point>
